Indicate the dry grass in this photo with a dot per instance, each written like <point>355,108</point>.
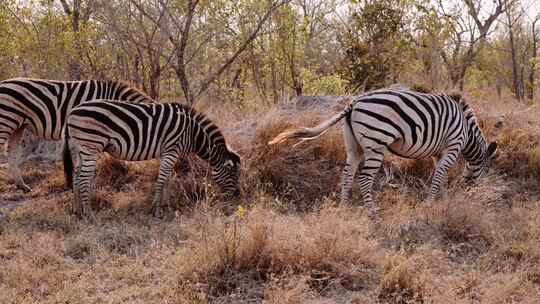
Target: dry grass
<point>328,248</point>
<point>300,175</point>
<point>286,240</point>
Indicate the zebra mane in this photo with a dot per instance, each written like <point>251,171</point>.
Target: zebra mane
<point>126,84</point>
<point>467,110</point>
<point>205,121</point>
<point>471,119</point>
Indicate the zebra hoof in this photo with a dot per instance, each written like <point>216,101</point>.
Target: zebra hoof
<point>89,217</point>
<point>429,203</point>
<point>86,217</point>
<point>25,188</point>
<point>393,186</point>
<point>375,218</point>
<point>84,214</point>
<point>157,212</point>
<point>373,215</point>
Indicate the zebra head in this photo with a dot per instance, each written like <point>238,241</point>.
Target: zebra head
<point>477,152</point>
<point>478,166</point>
<point>227,174</point>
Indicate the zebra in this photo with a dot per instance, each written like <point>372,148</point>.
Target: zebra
<point>42,106</point>
<point>408,124</point>
<point>143,131</point>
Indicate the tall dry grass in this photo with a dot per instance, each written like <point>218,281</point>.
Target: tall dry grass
<point>287,240</point>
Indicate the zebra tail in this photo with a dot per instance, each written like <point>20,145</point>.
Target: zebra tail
<point>311,133</point>
<point>68,160</point>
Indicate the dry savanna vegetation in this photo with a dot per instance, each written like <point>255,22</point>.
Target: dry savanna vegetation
<point>287,240</point>
<point>258,68</point>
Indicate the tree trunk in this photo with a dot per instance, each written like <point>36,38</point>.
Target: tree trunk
<point>180,72</point>
<point>236,81</point>
<point>74,61</point>
<point>532,76</point>
<point>516,83</point>
<point>154,84</point>
<point>456,76</point>
<point>76,65</point>
<point>180,68</point>
<point>498,86</point>
<point>273,68</point>
<point>532,79</point>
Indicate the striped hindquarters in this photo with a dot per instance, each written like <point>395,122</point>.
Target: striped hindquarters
<point>409,124</point>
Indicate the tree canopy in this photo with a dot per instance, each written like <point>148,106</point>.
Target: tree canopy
<point>245,50</point>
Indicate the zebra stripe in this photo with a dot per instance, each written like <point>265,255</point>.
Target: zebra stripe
<point>42,106</point>
<point>145,131</point>
<point>409,124</point>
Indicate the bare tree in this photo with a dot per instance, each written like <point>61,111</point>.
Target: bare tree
<point>469,33</point>
<point>141,39</point>
<point>535,37</point>
<point>512,21</point>
<point>179,31</point>
<point>475,6</point>
<point>78,11</point>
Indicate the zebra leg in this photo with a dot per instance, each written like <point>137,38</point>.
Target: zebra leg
<point>447,160</point>
<point>83,184</point>
<point>372,164</point>
<point>76,205</point>
<point>353,161</point>
<point>13,167</point>
<point>166,166</point>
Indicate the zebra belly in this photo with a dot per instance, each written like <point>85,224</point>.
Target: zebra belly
<point>127,151</point>
<point>399,149</point>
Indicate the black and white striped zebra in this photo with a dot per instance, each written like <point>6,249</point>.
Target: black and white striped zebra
<point>42,106</point>
<point>409,124</point>
<point>140,132</point>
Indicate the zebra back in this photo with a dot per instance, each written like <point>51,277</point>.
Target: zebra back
<point>43,104</point>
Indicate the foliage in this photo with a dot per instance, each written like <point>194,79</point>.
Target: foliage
<point>376,43</point>
<point>247,50</point>
<point>323,84</point>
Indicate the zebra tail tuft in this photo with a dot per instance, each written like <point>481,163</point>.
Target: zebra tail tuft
<point>68,160</point>
<point>311,133</point>
<point>301,133</point>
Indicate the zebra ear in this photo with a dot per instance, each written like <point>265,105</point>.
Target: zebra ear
<point>492,148</point>
<point>228,164</point>
<point>234,157</point>
<point>497,127</point>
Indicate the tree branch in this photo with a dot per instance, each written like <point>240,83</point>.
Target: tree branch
<point>206,83</point>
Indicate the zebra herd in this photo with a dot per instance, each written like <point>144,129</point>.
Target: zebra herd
<point>108,116</point>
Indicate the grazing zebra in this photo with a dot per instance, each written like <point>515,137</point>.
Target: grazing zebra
<point>140,132</point>
<point>409,124</point>
<point>42,106</point>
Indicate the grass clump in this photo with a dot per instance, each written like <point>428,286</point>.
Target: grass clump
<point>255,248</point>
<point>296,174</point>
<point>113,173</point>
<point>401,281</point>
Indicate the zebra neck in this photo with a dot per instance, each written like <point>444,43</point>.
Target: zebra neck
<point>207,141</point>
<point>476,146</point>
